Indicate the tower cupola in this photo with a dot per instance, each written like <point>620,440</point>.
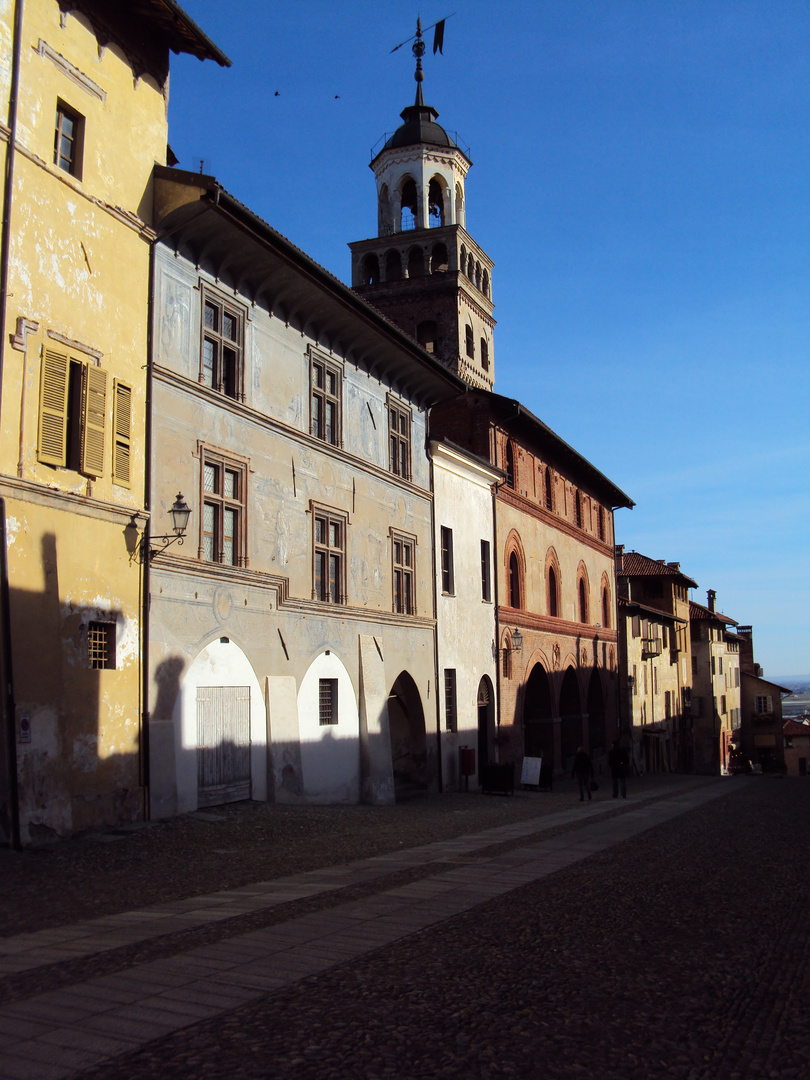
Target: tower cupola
<point>423,270</point>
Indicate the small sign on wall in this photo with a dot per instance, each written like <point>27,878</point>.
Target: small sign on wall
<point>25,727</point>
<point>530,773</point>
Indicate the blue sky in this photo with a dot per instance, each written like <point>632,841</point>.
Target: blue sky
<point>641,179</point>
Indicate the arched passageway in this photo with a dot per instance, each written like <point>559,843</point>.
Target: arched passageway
<point>406,722</point>
<point>597,739</point>
<point>538,727</point>
<point>570,715</point>
<point>486,722</point>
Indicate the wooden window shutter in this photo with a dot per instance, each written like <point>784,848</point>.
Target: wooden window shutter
<point>122,425</point>
<point>94,405</point>
<point>53,397</point>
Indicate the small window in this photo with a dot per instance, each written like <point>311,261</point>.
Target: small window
<point>223,528</point>
<point>506,659</point>
<point>549,490</point>
<point>403,552</point>
<point>426,335</point>
<point>486,572</point>
<point>579,510</point>
<point>470,342</point>
<point>399,440</point>
<point>600,523</point>
<point>450,715</point>
<point>327,702</point>
<point>447,561</point>
<point>327,391</point>
<point>511,479</point>
<point>605,607</point>
<point>68,140</point>
<point>222,346</point>
<point>484,354</point>
<point>101,645</point>
<point>329,555</point>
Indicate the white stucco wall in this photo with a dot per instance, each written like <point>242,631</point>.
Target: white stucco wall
<point>330,755</point>
<point>465,622</point>
<point>218,664</point>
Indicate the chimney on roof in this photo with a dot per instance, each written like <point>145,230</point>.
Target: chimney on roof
<point>618,558</point>
<point>746,636</point>
<point>674,565</point>
<point>711,595</point>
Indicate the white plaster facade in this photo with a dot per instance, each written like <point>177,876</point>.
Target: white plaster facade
<point>465,612</point>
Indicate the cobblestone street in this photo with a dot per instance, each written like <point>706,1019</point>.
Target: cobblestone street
<point>459,936</point>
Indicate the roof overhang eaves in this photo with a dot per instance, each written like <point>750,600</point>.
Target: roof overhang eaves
<point>242,234</point>
<point>181,32</point>
<point>512,409</point>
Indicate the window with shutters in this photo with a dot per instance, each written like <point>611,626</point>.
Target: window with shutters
<point>399,439</point>
<point>223,524</point>
<point>122,434</point>
<point>329,555</point>
<point>72,413</point>
<point>222,344</point>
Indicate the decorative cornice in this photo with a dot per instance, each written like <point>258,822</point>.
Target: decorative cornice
<point>548,517</point>
<point>72,503</point>
<point>560,627</point>
<point>303,438</point>
<point>71,71</point>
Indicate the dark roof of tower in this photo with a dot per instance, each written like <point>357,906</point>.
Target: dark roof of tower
<point>419,128</point>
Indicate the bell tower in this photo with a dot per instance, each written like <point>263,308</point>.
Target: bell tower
<point>423,269</point>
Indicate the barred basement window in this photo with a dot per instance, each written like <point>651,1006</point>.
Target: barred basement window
<point>101,645</point>
<point>327,701</point>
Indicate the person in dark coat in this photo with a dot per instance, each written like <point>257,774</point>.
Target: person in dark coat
<point>618,762</point>
<point>583,771</point>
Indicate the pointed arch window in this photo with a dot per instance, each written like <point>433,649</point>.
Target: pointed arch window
<point>484,354</point>
<point>579,512</point>
<point>470,342</point>
<point>583,600</point>
<point>605,607</point>
<point>553,593</point>
<point>515,583</point>
<point>485,283</point>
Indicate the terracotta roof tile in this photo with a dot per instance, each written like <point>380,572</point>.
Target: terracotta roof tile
<point>634,564</point>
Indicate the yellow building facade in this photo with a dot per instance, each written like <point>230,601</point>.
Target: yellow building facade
<point>86,85</point>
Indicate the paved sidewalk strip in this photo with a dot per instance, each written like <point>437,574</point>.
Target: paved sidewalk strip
<point>62,1032</point>
<point>25,952</point>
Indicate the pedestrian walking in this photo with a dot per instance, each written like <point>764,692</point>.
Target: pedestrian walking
<point>583,771</point>
<point>618,762</point>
